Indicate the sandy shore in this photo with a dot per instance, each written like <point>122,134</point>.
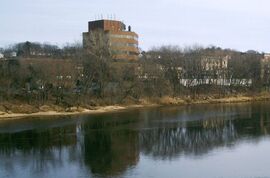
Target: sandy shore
<point>163,102</point>
<point>105,109</point>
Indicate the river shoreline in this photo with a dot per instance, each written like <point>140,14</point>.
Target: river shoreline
<point>167,101</point>
<point>98,110</point>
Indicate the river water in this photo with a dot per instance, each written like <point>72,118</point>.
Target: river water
<point>202,141</point>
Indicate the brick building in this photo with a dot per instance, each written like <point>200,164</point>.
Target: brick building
<point>123,43</point>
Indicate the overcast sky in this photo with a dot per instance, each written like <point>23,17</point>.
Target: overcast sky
<point>236,24</point>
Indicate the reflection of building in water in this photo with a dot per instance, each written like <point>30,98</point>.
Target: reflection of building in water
<point>223,113</point>
<point>110,152</point>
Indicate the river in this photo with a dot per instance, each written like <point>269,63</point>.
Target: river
<point>211,141</point>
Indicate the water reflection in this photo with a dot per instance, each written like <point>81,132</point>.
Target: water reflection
<point>170,142</point>
<point>36,150</point>
<point>202,129</point>
<point>112,144</point>
<point>109,146</point>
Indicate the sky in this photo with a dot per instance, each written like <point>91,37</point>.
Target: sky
<point>236,24</point>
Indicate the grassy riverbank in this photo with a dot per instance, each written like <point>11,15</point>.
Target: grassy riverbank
<point>12,110</point>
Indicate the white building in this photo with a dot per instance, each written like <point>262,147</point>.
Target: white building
<point>1,56</point>
<point>13,54</point>
<point>210,63</point>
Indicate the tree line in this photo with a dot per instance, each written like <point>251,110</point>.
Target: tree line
<point>75,76</point>
<point>35,49</point>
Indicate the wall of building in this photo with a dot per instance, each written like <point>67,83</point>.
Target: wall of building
<point>123,44</point>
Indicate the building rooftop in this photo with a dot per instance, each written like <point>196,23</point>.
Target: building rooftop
<point>106,25</point>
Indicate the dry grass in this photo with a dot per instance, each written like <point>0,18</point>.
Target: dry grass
<point>231,99</point>
<point>25,108</point>
<point>166,100</point>
<point>14,110</point>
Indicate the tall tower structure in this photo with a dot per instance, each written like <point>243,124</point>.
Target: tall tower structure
<point>122,43</point>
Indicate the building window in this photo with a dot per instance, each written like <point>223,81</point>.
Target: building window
<point>124,45</point>
<point>124,36</point>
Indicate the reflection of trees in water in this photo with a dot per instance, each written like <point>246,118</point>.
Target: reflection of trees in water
<point>34,139</point>
<point>199,112</point>
<point>200,137</point>
<point>39,150</point>
<point>95,144</point>
<point>169,142</point>
<point>109,145</point>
